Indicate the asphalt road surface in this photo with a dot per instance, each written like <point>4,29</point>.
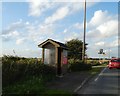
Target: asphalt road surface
<point>107,82</point>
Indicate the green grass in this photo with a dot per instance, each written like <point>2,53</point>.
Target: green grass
<point>34,85</point>
<point>97,69</point>
<point>62,92</point>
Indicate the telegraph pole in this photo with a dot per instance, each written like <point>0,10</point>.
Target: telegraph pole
<point>83,55</point>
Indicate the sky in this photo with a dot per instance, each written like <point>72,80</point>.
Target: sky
<point>27,24</point>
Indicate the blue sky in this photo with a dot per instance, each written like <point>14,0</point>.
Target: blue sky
<point>26,24</point>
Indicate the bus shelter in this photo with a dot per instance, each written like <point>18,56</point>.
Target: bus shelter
<point>55,54</point>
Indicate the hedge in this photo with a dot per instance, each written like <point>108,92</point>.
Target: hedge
<point>78,65</point>
<point>16,69</point>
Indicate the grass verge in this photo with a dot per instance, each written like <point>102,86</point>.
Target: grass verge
<point>32,85</point>
<point>96,69</point>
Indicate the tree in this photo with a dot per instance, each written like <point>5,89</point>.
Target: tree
<point>75,47</point>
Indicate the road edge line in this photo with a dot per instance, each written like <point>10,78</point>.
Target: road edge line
<point>79,87</point>
<point>99,74</point>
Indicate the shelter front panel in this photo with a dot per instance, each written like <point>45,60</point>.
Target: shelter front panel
<point>64,61</point>
<point>49,54</point>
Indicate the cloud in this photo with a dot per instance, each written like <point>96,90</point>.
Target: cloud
<point>20,41</point>
<point>102,30</point>
<point>37,7</point>
<point>102,25</point>
<point>70,36</point>
<point>98,18</point>
<point>94,33</point>
<point>114,44</point>
<point>65,31</point>
<point>40,32</point>
<point>78,25</point>
<point>31,32</point>
<point>10,35</point>
<point>100,43</point>
<point>5,38</point>
<point>27,52</point>
<point>27,23</point>
<point>58,15</point>
<point>19,24</point>
<point>15,33</point>
<point>78,6</point>
<point>109,28</point>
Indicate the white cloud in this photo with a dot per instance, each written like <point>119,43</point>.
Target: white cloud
<point>15,33</point>
<point>100,43</point>
<point>20,41</point>
<point>114,43</point>
<point>31,32</point>
<point>40,32</point>
<point>93,34</point>
<point>78,26</point>
<point>109,28</point>
<point>70,36</point>
<point>10,35</point>
<point>98,18</point>
<point>19,24</point>
<point>37,7</point>
<point>58,15</point>
<point>27,23</point>
<point>102,25</point>
<point>65,31</point>
<point>109,47</point>
<point>78,6</point>
<point>27,49</point>
<point>102,30</point>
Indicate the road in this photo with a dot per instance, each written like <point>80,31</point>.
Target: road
<point>107,82</point>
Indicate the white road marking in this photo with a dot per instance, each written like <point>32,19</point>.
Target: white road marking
<point>81,85</point>
<point>100,74</point>
<point>86,80</point>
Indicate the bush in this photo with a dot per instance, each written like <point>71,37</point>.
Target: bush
<point>78,65</point>
<point>106,62</point>
<point>14,69</point>
<point>93,62</point>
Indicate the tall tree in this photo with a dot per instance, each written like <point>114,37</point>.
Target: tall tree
<point>75,49</point>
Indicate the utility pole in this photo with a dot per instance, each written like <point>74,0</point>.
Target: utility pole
<point>83,55</point>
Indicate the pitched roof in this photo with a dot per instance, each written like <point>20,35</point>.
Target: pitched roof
<point>55,43</point>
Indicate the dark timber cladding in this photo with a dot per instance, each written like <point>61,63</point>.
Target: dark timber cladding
<point>55,54</point>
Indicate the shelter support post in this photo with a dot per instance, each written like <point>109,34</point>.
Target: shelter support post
<point>43,52</point>
<point>56,55</point>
